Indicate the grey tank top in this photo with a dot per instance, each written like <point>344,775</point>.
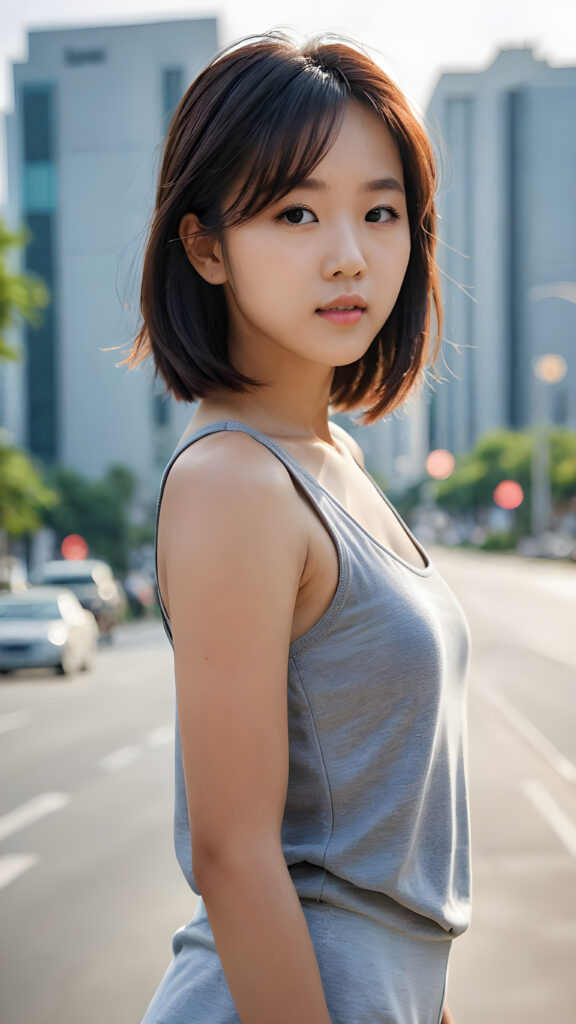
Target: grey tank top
<point>376,816</point>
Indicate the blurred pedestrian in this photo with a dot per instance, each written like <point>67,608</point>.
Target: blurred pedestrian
<point>321,807</point>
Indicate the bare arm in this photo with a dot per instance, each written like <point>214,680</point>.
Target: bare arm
<point>234,554</point>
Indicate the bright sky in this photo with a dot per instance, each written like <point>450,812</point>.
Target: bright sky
<point>414,40</point>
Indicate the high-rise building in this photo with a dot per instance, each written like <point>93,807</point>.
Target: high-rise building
<point>507,245</point>
<point>84,143</point>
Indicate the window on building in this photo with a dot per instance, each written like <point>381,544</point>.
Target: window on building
<point>172,90</point>
<point>79,58</point>
<point>41,373</point>
<point>39,196</point>
<point>38,133</point>
<point>160,410</point>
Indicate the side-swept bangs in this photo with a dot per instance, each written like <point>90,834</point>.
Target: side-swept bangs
<point>252,126</point>
<point>284,139</point>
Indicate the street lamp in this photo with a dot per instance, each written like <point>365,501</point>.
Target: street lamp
<point>547,369</point>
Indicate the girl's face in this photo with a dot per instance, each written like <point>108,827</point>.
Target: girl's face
<point>315,275</point>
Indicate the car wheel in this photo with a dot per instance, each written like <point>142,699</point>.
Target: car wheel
<point>66,666</point>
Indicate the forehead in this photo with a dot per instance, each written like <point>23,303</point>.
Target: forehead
<point>364,148</point>
<point>344,145</point>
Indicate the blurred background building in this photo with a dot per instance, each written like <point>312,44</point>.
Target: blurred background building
<point>91,107</point>
<point>505,143</point>
<point>508,237</point>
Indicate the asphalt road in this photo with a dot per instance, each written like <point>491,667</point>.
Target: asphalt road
<point>517,962</point>
<point>90,891</point>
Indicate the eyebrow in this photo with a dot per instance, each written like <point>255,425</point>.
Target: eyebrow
<point>377,185</point>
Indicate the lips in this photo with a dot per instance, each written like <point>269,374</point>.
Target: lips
<point>343,303</point>
<point>345,316</point>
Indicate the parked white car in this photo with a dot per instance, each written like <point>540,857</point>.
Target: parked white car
<point>94,584</point>
<point>46,626</point>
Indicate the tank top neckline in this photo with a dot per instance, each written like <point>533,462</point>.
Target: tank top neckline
<point>417,569</point>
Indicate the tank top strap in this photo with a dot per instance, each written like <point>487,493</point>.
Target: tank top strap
<point>305,479</point>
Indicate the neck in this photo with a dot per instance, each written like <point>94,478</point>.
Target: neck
<point>293,404</point>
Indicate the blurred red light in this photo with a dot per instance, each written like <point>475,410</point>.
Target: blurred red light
<point>440,464</point>
<point>508,494</point>
<point>74,546</point>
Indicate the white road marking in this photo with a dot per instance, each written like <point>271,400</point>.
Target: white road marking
<point>13,865</point>
<point>559,822</point>
<point>554,646</point>
<point>38,807</point>
<point>557,586</point>
<point>545,651</point>
<point>101,675</point>
<point>120,758</point>
<point>13,720</point>
<point>523,862</point>
<point>534,737</point>
<point>160,736</point>
<point>121,675</point>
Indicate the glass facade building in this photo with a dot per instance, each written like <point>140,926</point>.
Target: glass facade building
<point>84,144</point>
<point>506,144</point>
<point>40,215</point>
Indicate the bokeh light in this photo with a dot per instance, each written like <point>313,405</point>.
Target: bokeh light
<point>508,494</point>
<point>74,546</point>
<point>550,368</point>
<point>440,464</point>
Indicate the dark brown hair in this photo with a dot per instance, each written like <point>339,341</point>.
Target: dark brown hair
<point>264,113</point>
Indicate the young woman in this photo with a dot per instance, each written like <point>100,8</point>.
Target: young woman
<point>320,658</point>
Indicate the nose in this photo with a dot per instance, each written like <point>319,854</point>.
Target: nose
<point>344,256</point>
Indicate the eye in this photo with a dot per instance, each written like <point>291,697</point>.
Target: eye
<point>297,215</point>
<point>375,215</point>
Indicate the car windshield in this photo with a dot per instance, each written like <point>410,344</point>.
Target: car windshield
<point>67,580</point>
<point>29,610</point>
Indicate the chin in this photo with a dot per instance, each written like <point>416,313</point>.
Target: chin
<point>347,358</point>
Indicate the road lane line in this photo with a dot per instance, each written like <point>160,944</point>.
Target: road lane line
<point>558,587</point>
<point>15,864</point>
<point>160,736</point>
<point>559,822</point>
<point>120,758</point>
<point>545,652</point>
<point>38,807</point>
<point>121,675</point>
<point>13,720</point>
<point>534,737</point>
<point>102,674</point>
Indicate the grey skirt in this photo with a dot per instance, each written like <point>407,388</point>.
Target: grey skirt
<point>370,973</point>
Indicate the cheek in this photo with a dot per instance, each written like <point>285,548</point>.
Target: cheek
<point>245,258</point>
<point>255,285</point>
<point>401,257</point>
<point>260,268</point>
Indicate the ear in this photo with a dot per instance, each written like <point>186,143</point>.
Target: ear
<point>204,252</point>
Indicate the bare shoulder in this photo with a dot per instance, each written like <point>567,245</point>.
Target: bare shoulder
<point>228,461</point>
<point>227,492</point>
<point>342,435</point>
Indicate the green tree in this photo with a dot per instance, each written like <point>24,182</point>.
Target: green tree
<point>563,464</point>
<point>24,497</point>
<point>507,455</point>
<point>21,295</point>
<point>96,509</point>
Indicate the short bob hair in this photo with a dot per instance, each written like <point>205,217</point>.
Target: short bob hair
<point>261,116</point>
